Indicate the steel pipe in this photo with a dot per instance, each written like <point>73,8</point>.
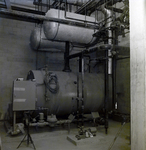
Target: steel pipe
<point>108,18</point>
<point>72,2</point>
<point>66,59</point>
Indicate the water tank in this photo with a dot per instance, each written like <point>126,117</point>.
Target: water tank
<point>38,41</point>
<point>65,32</point>
<point>57,91</point>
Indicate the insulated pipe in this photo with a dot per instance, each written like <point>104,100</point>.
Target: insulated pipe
<point>115,42</point>
<point>108,63</point>
<point>77,19</point>
<point>108,17</point>
<point>23,3</point>
<point>8,4</point>
<point>72,2</point>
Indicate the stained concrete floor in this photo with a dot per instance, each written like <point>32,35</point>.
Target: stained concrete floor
<point>56,138</point>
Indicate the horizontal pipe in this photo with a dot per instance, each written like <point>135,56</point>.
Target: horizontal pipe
<point>85,21</point>
<point>114,9</point>
<point>87,51</point>
<point>22,16</point>
<point>22,8</point>
<point>101,2</point>
<point>71,2</point>
<point>41,124</point>
<point>23,3</point>
<point>85,6</point>
<point>29,17</point>
<point>124,57</point>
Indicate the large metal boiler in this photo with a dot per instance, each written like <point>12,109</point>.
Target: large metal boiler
<point>57,91</point>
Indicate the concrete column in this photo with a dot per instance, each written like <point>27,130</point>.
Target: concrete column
<point>138,73</point>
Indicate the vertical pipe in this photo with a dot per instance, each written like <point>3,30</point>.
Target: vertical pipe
<point>108,18</point>
<point>114,82</point>
<point>8,4</point>
<point>115,42</point>
<point>109,52</point>
<point>106,90</point>
<point>78,99</point>
<point>66,59</point>
<point>80,64</point>
<point>14,121</point>
<point>108,63</point>
<point>82,91</point>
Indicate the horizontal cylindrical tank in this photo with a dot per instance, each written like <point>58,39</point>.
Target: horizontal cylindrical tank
<point>57,91</point>
<point>63,32</point>
<point>38,41</point>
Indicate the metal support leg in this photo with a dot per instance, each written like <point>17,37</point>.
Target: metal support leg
<point>82,91</point>
<point>106,91</point>
<point>66,59</point>
<point>14,121</point>
<point>27,134</point>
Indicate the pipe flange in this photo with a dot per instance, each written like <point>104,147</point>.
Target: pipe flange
<point>105,47</point>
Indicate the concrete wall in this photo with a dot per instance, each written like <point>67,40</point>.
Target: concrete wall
<point>123,86</point>
<point>138,73</point>
<point>16,57</point>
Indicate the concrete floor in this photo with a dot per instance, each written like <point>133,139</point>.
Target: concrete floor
<point>56,138</point>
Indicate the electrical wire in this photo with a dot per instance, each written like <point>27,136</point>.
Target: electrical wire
<point>51,79</point>
<point>118,133</point>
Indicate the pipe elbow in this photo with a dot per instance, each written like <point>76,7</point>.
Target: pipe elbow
<point>108,16</point>
<point>108,13</point>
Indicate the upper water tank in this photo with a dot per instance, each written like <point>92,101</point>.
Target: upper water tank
<point>38,41</point>
<point>65,32</point>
